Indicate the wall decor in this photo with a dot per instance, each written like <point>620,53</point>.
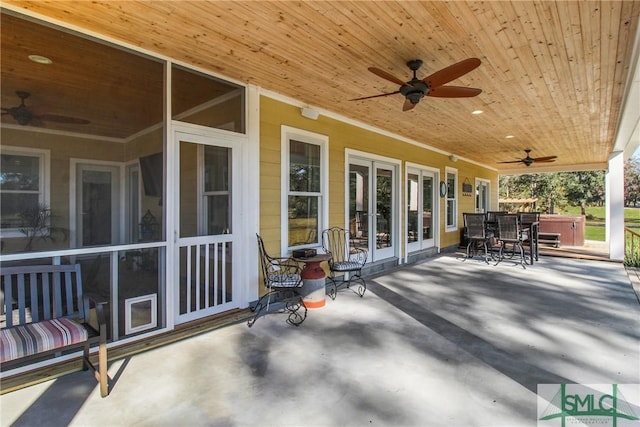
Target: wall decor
<point>467,188</point>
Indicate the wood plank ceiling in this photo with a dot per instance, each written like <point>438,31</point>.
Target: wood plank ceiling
<point>553,74</point>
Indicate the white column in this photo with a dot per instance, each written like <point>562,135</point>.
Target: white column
<point>615,205</point>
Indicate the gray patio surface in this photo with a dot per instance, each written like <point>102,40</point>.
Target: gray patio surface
<point>445,342</point>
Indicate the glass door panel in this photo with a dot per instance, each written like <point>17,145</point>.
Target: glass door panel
<point>420,202</point>
<point>97,205</point>
<point>428,197</point>
<point>413,200</point>
<point>482,196</point>
<point>384,212</point>
<point>359,205</point>
<point>371,207</point>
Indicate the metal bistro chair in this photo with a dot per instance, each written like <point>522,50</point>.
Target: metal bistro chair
<point>283,281</point>
<point>476,234</point>
<point>510,233</point>
<point>346,262</point>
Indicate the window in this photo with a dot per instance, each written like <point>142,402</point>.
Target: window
<point>304,192</point>
<point>452,199</point>
<point>23,185</point>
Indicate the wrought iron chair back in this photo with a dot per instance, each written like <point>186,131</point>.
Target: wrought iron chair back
<point>283,280</point>
<point>346,261</point>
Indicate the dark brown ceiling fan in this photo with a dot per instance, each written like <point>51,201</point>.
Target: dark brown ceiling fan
<point>415,89</point>
<point>24,116</point>
<point>528,161</point>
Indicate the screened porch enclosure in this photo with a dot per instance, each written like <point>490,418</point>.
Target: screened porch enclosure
<point>93,189</point>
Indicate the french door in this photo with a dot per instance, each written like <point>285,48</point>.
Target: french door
<point>421,218</point>
<point>208,226</point>
<point>372,207</point>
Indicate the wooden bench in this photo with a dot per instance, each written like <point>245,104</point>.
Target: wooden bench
<point>549,238</point>
<point>43,311</point>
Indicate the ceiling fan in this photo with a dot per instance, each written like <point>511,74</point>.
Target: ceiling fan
<point>415,89</point>
<point>528,161</point>
<point>23,115</point>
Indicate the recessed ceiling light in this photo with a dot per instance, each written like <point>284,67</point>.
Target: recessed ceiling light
<point>40,59</point>
<point>509,136</point>
<point>476,112</point>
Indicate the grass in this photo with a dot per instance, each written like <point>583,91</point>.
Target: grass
<point>595,226</point>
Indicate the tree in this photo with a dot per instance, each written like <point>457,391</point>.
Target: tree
<point>546,187</point>
<point>584,188</point>
<point>632,181</point>
<point>556,190</point>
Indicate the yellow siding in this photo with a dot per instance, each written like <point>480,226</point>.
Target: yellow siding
<point>344,136</point>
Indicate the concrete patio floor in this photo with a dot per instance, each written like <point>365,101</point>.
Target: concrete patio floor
<point>445,342</point>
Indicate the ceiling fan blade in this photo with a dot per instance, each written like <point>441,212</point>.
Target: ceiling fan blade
<point>387,76</point>
<point>513,161</point>
<point>62,119</point>
<point>451,72</point>
<point>408,105</point>
<point>375,96</point>
<point>454,92</point>
<point>546,159</point>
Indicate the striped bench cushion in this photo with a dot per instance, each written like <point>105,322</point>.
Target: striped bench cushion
<point>33,338</point>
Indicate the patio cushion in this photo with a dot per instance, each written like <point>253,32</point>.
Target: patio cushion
<point>346,266</point>
<point>32,338</point>
<point>290,280</point>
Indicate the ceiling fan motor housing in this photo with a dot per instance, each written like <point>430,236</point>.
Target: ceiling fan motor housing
<point>414,90</point>
<point>21,114</point>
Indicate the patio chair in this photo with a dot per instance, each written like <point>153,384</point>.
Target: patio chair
<point>283,280</point>
<point>345,265</point>
<point>492,221</point>
<point>531,221</point>
<point>476,234</point>
<point>510,233</point>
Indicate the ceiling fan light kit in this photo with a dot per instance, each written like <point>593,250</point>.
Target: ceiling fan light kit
<point>433,85</point>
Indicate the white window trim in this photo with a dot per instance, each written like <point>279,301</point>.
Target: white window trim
<point>44,175</point>
<point>288,133</point>
<point>454,226</point>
